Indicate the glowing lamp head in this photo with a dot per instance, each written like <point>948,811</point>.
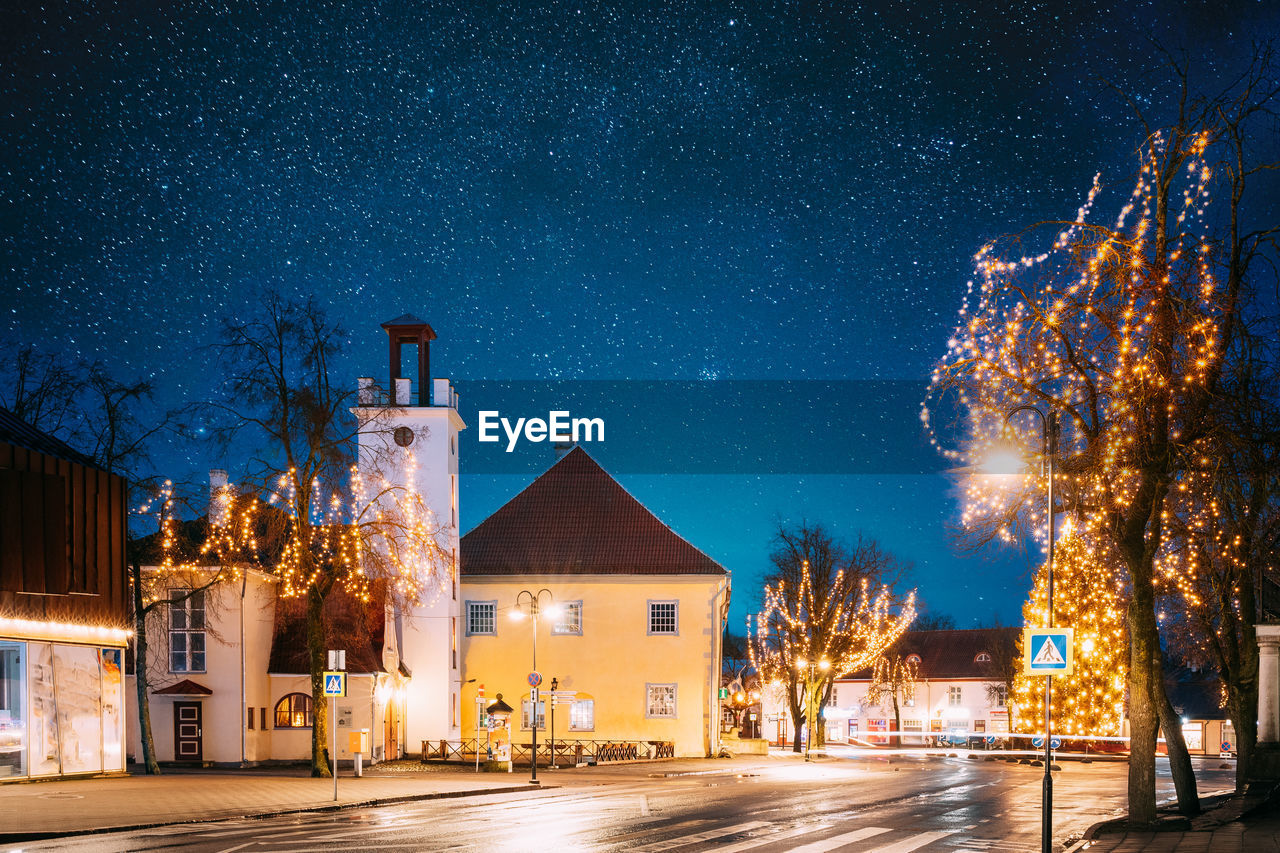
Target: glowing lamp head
<point>553,611</point>
<point>824,664</point>
<point>516,614</point>
<point>1003,459</point>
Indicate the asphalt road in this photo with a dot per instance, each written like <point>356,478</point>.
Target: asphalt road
<point>853,802</point>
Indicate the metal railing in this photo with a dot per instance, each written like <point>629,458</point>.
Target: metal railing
<point>570,752</point>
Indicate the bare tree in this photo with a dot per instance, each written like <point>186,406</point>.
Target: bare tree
<point>311,518</point>
<point>829,609</point>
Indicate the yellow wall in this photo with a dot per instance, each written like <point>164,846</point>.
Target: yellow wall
<point>613,659</point>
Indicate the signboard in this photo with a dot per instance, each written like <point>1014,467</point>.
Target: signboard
<point>564,697</point>
<point>335,684</point>
<point>535,678</point>
<point>724,692</point>
<point>1047,651</point>
<point>533,695</point>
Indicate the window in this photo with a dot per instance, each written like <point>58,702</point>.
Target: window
<point>909,701</point>
<point>663,617</point>
<point>482,617</point>
<point>186,631</point>
<point>263,718</point>
<point>453,639</point>
<point>915,659</point>
<point>1002,695</point>
<point>660,700</point>
<point>294,712</point>
<point>250,718</point>
<point>570,619</point>
<point>955,695</point>
<point>526,707</point>
<point>582,715</point>
<point>982,657</point>
<point>980,725</point>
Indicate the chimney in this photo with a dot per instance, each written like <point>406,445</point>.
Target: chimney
<point>219,492</point>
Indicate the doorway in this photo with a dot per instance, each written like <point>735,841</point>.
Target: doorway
<point>188,731</point>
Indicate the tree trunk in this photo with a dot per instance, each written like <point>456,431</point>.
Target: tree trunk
<point>1244,718</point>
<point>1184,778</point>
<point>1144,645</point>
<point>149,763</point>
<point>316,653</point>
<point>897,722</point>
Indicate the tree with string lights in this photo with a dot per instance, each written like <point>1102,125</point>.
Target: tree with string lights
<point>1121,329</point>
<point>829,609</point>
<point>893,680</point>
<point>1090,599</point>
<point>304,512</point>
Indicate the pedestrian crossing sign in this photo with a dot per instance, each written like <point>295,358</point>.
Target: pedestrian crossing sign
<point>335,684</point>
<point>1047,651</point>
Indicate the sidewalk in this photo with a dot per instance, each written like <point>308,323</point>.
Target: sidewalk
<point>1247,824</point>
<point>45,809</point>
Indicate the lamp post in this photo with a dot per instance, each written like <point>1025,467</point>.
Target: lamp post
<point>807,666</point>
<point>535,599</point>
<point>1049,450</point>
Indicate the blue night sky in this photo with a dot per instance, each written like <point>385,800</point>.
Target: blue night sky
<point>696,191</point>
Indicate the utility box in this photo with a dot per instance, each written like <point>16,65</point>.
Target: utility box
<point>358,741</point>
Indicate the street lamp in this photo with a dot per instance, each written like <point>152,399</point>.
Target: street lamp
<point>807,666</point>
<point>555,685</point>
<point>1049,450</point>
<point>535,600</point>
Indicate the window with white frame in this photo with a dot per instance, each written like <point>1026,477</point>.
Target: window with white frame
<point>570,619</point>
<point>955,696</point>
<point>660,700</point>
<point>186,631</point>
<point>1002,695</point>
<point>664,617</point>
<point>582,715</point>
<point>982,657</point>
<point>482,617</point>
<point>526,709</point>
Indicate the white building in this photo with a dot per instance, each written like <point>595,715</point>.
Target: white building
<point>959,693</point>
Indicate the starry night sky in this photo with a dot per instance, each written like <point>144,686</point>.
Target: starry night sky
<point>576,191</point>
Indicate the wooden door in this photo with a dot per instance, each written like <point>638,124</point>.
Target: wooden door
<point>188,731</point>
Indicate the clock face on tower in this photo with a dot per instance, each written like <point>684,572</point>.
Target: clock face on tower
<point>403,436</point>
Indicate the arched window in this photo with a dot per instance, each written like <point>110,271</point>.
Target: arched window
<point>294,712</point>
<point>915,659</point>
<point>982,657</point>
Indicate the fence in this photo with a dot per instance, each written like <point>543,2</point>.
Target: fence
<point>566,752</point>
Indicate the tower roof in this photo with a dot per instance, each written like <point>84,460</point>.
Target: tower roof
<point>574,520</point>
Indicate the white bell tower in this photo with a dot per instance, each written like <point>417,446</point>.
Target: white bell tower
<point>410,431</point>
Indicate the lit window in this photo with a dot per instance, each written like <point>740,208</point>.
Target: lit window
<point>186,631</point>
<point>660,700</point>
<point>526,707</point>
<point>294,712</point>
<point>1002,695</point>
<point>570,619</point>
<point>955,696</point>
<point>915,659</point>
<point>664,617</point>
<point>482,617</point>
<point>582,715</point>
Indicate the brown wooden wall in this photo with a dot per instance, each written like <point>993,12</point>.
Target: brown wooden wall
<point>62,540</point>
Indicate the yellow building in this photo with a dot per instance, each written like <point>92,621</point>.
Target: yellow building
<point>629,618</point>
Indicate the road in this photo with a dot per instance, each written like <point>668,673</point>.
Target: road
<point>853,802</point>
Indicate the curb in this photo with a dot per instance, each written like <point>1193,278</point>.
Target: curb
<point>19,837</point>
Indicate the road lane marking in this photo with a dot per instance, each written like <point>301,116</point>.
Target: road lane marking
<point>840,840</point>
<point>644,806</point>
<point>709,835</point>
<point>764,841</point>
<point>915,842</point>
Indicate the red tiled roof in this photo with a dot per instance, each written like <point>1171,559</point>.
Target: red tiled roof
<point>349,624</point>
<point>185,687</point>
<point>576,519</point>
<point>951,654</point>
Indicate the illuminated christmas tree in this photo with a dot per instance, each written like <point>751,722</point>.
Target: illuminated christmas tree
<point>1088,597</point>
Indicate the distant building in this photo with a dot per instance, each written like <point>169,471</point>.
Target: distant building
<point>959,693</point>
<point>63,616</point>
<point>637,638</point>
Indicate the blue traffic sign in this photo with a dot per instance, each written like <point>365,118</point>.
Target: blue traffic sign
<point>990,739</point>
<point>335,684</point>
<point>535,678</point>
<point>1047,651</point>
<point>1055,742</point>
<point>1037,742</point>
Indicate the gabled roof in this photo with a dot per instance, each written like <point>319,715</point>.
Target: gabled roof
<point>185,687</point>
<point>15,430</point>
<point>953,653</point>
<point>576,519</point>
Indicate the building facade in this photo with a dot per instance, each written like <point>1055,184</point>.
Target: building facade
<point>629,616</point>
<point>63,615</point>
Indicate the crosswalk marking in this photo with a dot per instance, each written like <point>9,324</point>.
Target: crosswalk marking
<point>840,840</point>
<point>915,842</point>
<point>763,840</point>
<point>709,835</point>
